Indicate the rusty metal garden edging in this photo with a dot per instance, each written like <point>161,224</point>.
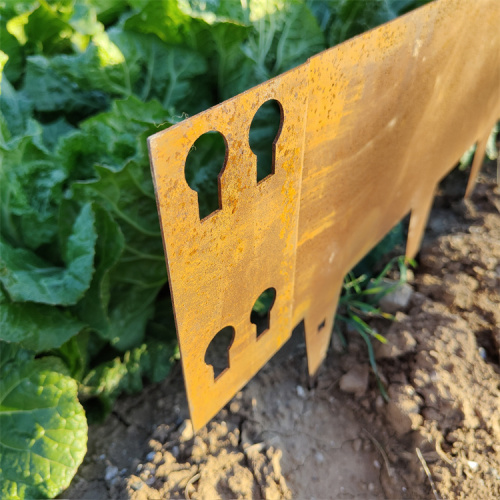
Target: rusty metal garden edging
<point>368,130</point>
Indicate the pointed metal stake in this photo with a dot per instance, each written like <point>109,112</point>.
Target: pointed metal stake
<point>476,164</point>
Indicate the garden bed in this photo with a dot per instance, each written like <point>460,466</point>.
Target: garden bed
<point>282,437</point>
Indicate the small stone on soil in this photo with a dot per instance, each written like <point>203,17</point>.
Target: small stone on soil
<point>111,472</point>
<point>357,444</point>
<point>473,465</point>
<point>355,380</point>
<point>234,407</point>
<point>397,300</point>
<point>186,430</point>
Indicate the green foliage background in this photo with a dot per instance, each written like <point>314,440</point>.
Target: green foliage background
<point>85,313</point>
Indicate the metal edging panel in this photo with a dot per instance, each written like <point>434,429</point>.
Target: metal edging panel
<point>369,128</point>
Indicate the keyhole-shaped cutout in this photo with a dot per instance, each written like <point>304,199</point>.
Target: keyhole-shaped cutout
<point>261,311</point>
<point>264,134</point>
<point>204,165</point>
<point>217,355</point>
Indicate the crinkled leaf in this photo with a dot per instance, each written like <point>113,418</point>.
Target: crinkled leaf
<point>31,188</point>
<point>108,11</point>
<point>112,138</point>
<point>36,188</point>
<point>350,17</point>
<point>163,72</point>
<point>163,18</point>
<point>41,28</point>
<point>54,130</point>
<point>37,327</point>
<point>130,309</point>
<point>27,277</point>
<point>125,191</point>
<point>78,156</point>
<point>133,282</point>
<point>126,62</point>
<point>218,30</point>
<point>83,19</point>
<point>54,27</point>
<point>119,193</point>
<point>222,43</point>
<point>50,92</point>
<point>221,9</point>
<point>100,67</point>
<point>298,38</point>
<point>124,187</point>
<point>152,360</point>
<point>93,308</point>
<point>15,110</point>
<point>215,31</point>
<point>43,429</point>
<point>284,35</point>
<point>131,116</point>
<point>77,352</point>
<point>162,356</point>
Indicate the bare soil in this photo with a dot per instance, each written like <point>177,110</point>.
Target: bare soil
<point>284,436</point>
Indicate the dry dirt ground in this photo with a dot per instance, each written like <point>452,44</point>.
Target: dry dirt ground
<point>282,437</point>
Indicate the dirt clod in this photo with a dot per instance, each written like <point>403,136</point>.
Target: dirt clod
<point>400,341</point>
<point>403,409</point>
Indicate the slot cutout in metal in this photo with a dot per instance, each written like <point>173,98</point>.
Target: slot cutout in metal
<point>204,165</point>
<point>217,354</point>
<point>261,311</point>
<point>264,134</point>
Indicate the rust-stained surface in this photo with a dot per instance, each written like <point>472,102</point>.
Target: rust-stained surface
<point>369,128</point>
<point>219,266</point>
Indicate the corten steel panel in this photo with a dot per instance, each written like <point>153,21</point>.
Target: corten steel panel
<point>219,266</point>
<point>389,115</point>
<point>370,127</point>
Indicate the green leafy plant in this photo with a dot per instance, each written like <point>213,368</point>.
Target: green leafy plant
<point>84,303</point>
<point>359,302</point>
